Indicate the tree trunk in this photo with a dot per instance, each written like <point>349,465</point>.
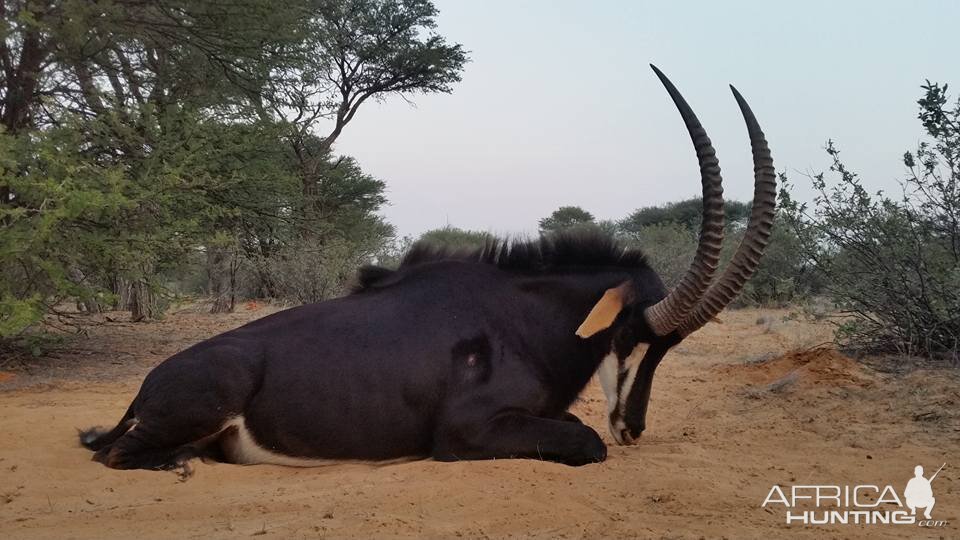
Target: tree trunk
<point>259,254</point>
<point>92,305</point>
<point>221,278</point>
<point>140,301</point>
<point>135,297</point>
<point>266,285</point>
<point>119,288</point>
<point>87,302</point>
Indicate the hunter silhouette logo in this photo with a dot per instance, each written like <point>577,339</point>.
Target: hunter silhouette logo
<point>860,504</point>
<point>919,493</point>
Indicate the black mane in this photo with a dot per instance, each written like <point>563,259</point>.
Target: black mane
<point>564,250</point>
<point>569,250</point>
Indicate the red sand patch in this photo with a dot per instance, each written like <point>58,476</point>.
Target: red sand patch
<point>810,367</point>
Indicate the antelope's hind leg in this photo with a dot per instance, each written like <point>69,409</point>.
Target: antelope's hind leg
<point>182,409</point>
<point>143,447</point>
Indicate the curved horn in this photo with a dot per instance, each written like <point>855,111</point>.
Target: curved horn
<point>667,314</point>
<point>755,240</point>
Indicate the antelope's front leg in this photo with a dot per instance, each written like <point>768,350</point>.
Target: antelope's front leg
<point>568,416</point>
<point>519,435</point>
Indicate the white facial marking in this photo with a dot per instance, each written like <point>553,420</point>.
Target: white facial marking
<point>636,356</point>
<point>608,380</point>
<point>609,372</point>
<point>632,368</point>
<point>616,428</point>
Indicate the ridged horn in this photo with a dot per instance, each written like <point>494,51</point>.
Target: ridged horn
<point>667,314</point>
<point>755,240</point>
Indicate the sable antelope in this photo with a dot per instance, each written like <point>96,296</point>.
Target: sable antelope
<point>454,355</point>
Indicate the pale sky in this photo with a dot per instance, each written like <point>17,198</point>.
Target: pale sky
<point>559,107</point>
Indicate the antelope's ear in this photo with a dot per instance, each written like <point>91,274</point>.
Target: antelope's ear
<point>606,310</point>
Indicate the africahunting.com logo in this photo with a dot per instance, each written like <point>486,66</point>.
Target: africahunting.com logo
<point>858,504</point>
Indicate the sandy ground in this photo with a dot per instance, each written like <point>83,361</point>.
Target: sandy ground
<point>732,414</point>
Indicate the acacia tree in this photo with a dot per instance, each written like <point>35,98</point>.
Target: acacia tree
<point>136,78</point>
<point>137,132</point>
<point>457,238</point>
<point>343,54</point>
<point>565,217</point>
<point>349,234</point>
<point>170,100</point>
<point>686,213</point>
<point>353,51</point>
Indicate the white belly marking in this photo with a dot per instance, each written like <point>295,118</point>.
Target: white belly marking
<point>243,449</point>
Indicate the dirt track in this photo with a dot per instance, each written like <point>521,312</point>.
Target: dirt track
<point>729,417</point>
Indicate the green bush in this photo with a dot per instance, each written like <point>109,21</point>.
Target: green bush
<point>53,236</point>
<point>892,265</point>
<point>687,213</point>
<point>456,238</point>
<point>670,244</point>
<point>669,248</point>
